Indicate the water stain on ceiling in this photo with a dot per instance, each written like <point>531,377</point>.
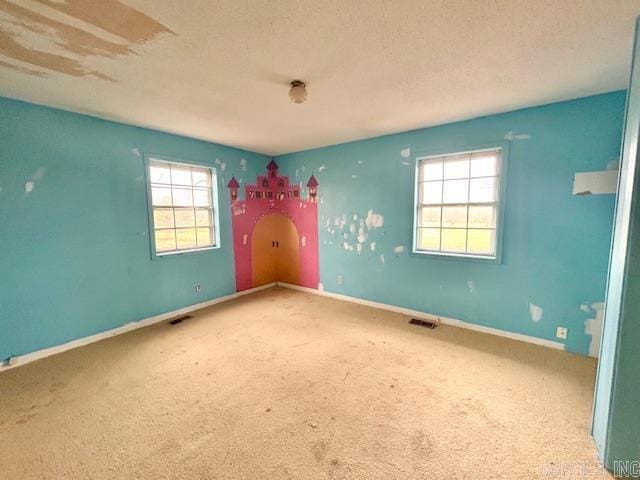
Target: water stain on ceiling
<point>60,35</point>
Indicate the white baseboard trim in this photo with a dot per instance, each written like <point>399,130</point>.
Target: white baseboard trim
<point>127,327</point>
<point>416,313</point>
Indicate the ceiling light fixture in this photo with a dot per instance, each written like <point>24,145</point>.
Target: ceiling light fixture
<point>298,91</point>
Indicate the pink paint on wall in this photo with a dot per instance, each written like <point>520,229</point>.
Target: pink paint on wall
<point>273,193</point>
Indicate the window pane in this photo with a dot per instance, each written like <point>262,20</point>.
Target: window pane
<point>482,216</point>
<point>203,217</point>
<point>163,218</point>
<point>454,240</point>
<point>456,168</point>
<point>200,177</point>
<point>205,237</point>
<point>431,192</point>
<point>186,237</point>
<point>165,240</point>
<point>484,166</point>
<point>428,239</point>
<point>185,217</point>
<point>430,216</point>
<point>159,174</point>
<point>180,175</point>
<point>455,191</point>
<point>431,170</point>
<point>161,196</point>
<point>482,241</point>
<point>202,198</point>
<point>483,190</point>
<point>182,197</point>
<point>454,217</point>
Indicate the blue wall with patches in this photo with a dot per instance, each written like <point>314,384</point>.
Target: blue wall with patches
<point>74,251</point>
<point>555,244</point>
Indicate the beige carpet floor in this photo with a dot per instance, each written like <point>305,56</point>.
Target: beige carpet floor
<point>287,385</point>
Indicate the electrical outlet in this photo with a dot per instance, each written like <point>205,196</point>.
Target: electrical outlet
<point>197,287</point>
<point>562,332</point>
<point>340,280</point>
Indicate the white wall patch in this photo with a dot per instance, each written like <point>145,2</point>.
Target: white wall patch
<point>28,186</point>
<point>362,236</point>
<point>382,258</point>
<point>593,327</point>
<point>405,152</point>
<point>374,220</point>
<point>372,246</point>
<point>595,183</point>
<point>472,286</point>
<point>245,237</point>
<point>322,168</point>
<point>359,248</point>
<point>303,241</point>
<point>536,312</point>
<point>321,287</point>
<point>243,165</point>
<point>398,249</point>
<point>516,136</point>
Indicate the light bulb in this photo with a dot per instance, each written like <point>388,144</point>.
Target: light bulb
<point>298,91</point>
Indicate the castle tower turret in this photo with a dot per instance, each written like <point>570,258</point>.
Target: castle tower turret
<point>273,169</point>
<point>233,188</point>
<point>312,188</point>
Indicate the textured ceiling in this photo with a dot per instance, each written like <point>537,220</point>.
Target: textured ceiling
<point>220,70</point>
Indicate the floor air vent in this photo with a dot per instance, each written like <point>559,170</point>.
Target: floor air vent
<point>178,320</point>
<point>423,323</point>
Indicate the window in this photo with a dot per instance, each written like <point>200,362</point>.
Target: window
<point>182,203</point>
<point>458,198</point>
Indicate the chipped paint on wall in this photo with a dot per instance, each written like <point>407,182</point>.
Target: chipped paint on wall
<point>243,165</point>
<point>322,168</point>
<point>472,286</point>
<point>405,152</point>
<point>398,249</point>
<point>593,327</point>
<point>536,312</point>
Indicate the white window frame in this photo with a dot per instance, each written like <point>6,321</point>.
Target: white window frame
<point>502,150</point>
<point>150,159</point>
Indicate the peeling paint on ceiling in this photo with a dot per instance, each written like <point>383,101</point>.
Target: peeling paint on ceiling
<point>41,44</point>
<point>220,71</point>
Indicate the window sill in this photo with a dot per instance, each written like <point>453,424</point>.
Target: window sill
<point>186,252</point>
<point>456,256</point>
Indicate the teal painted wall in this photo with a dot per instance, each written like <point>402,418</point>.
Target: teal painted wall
<point>555,247</point>
<point>616,425</point>
<point>74,252</point>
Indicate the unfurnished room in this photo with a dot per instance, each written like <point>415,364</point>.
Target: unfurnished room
<point>319,239</point>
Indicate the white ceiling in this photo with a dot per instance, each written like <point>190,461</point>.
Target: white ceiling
<point>219,71</point>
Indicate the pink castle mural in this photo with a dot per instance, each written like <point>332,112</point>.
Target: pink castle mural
<point>275,231</point>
